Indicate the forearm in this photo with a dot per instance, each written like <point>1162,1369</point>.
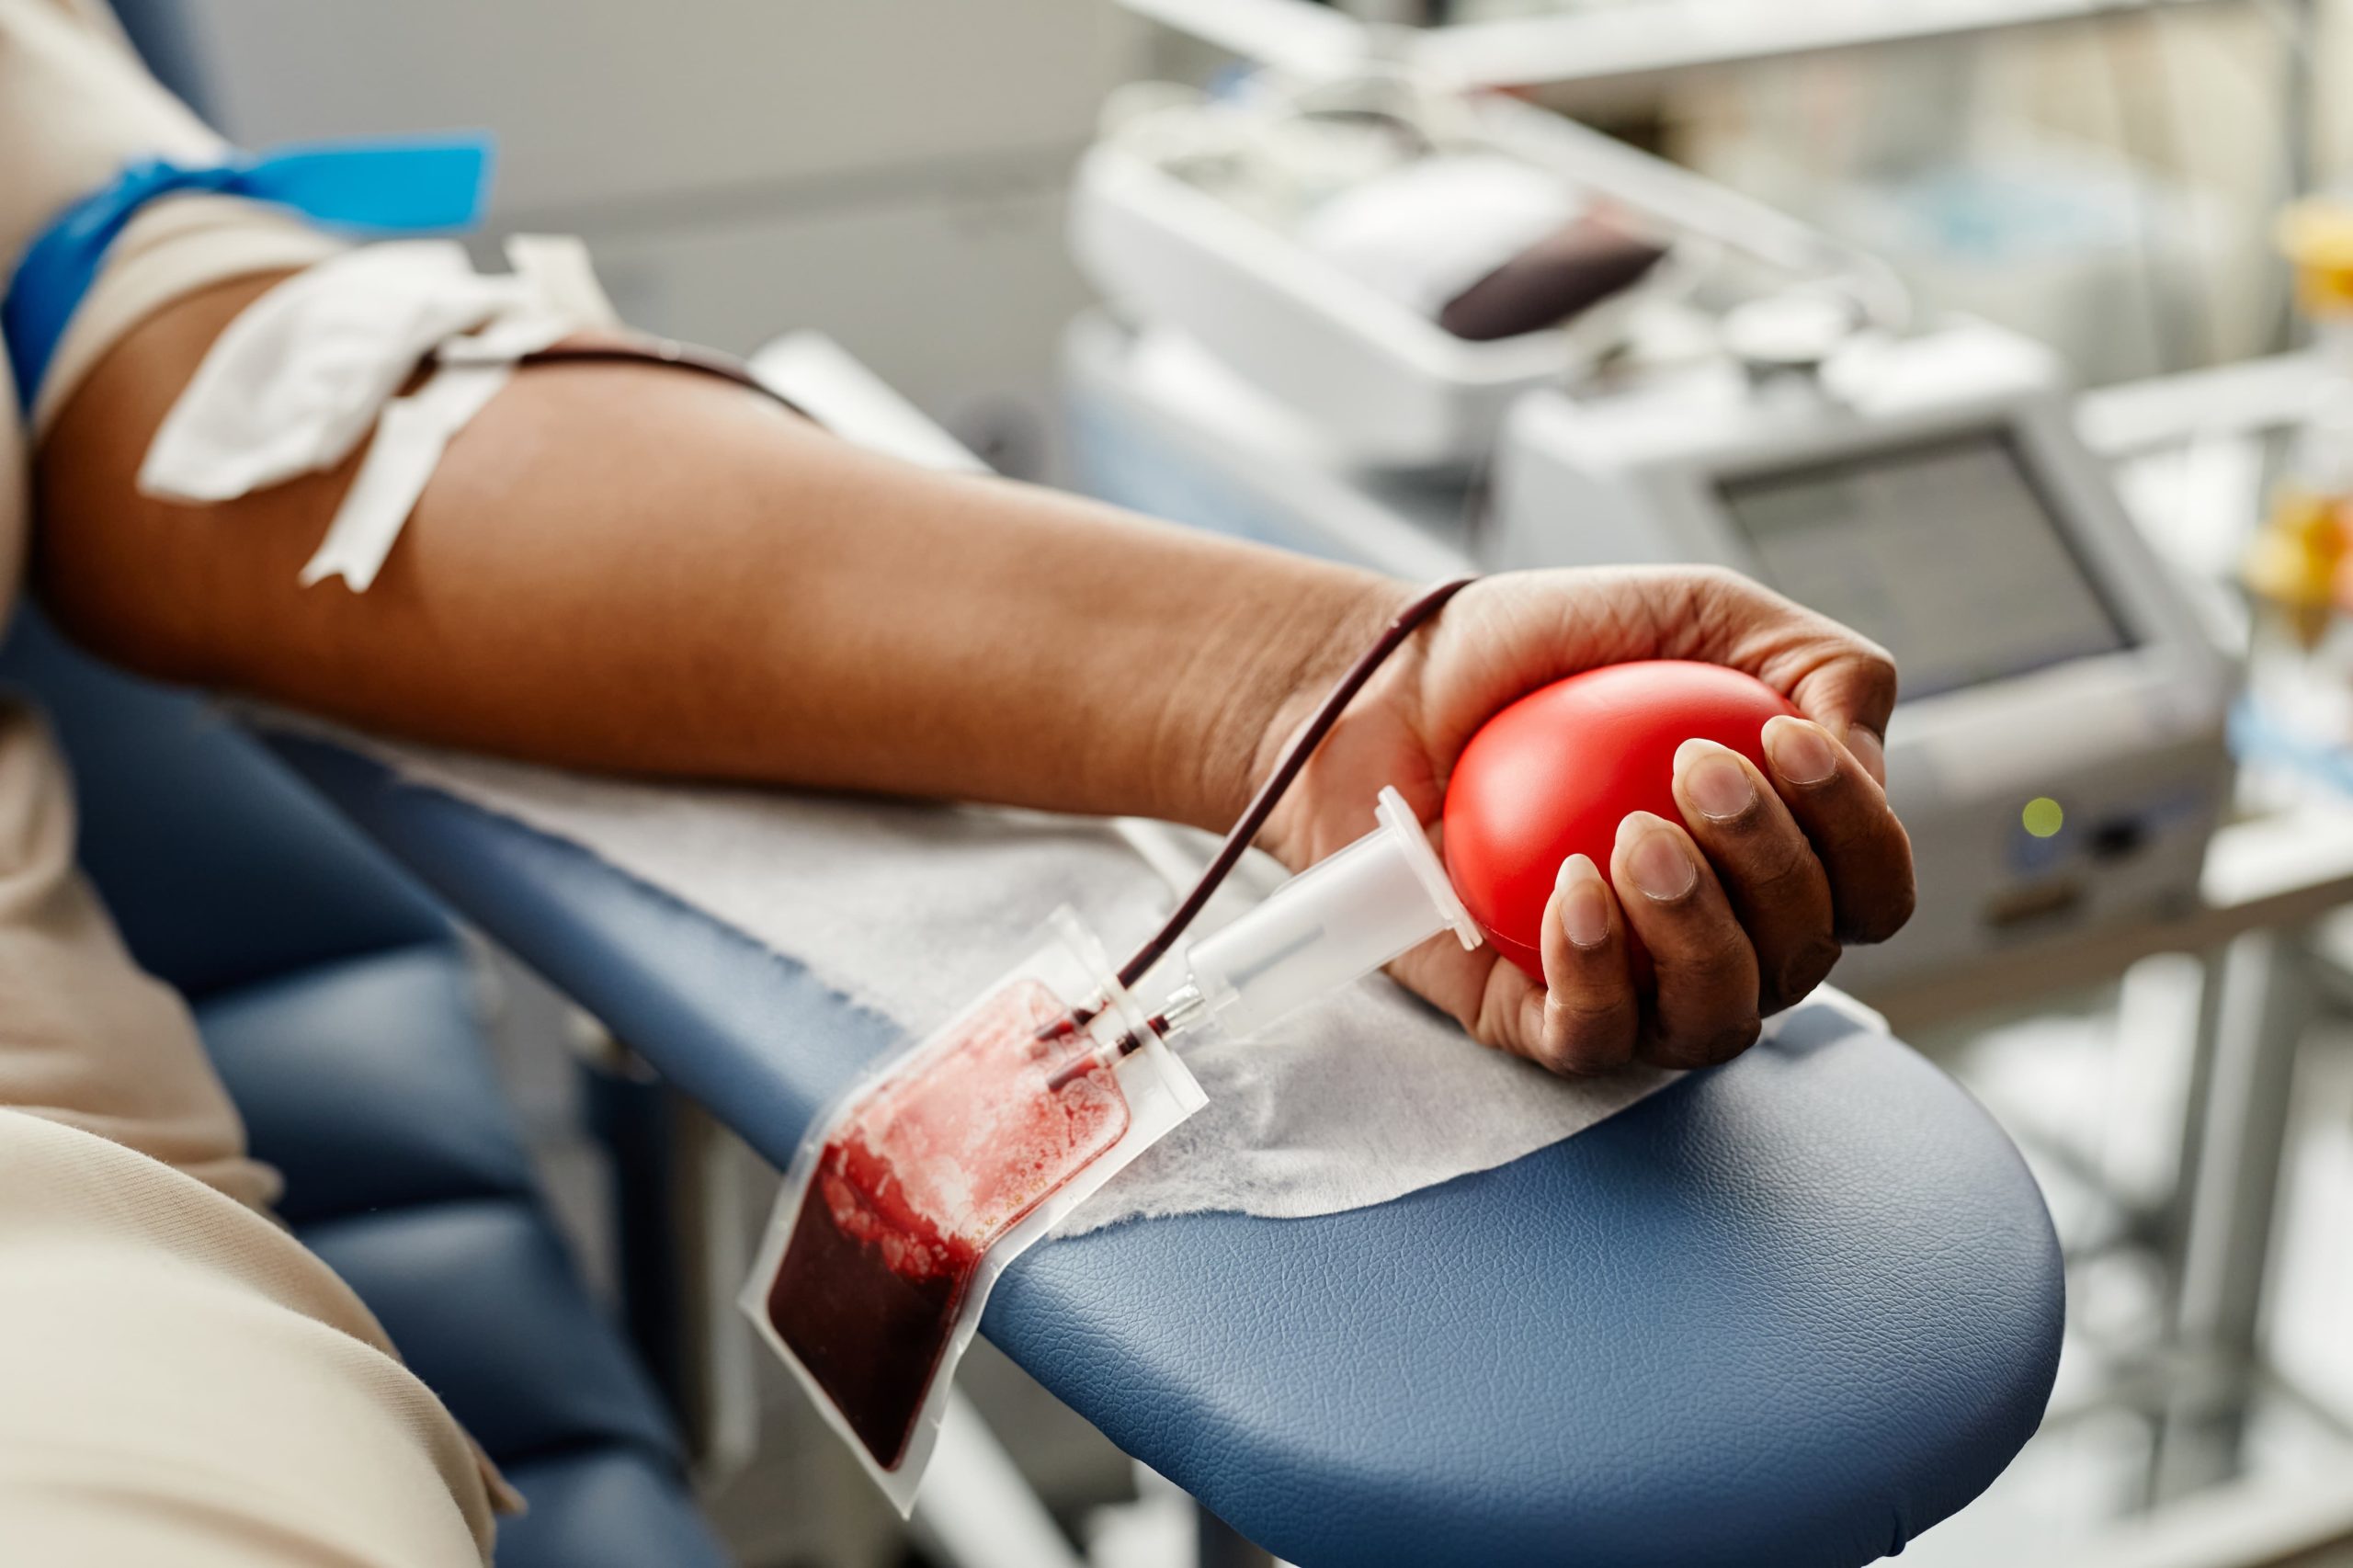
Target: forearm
<point>636,569</point>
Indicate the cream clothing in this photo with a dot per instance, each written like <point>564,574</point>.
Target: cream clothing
<point>180,1381</point>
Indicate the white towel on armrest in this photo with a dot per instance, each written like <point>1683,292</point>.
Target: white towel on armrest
<point>905,909</point>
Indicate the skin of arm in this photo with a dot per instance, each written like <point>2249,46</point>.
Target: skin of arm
<point>636,570</point>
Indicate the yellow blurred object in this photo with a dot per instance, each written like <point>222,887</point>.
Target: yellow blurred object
<point>2316,235</point>
<point>2298,560</point>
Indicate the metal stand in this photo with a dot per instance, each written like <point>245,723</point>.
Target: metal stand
<point>680,1247</point>
<point>976,1511</point>
<point>2241,1109</point>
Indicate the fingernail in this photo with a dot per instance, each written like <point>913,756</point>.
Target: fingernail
<point>1868,749</point>
<point>1585,902</point>
<point>1657,862</point>
<point>1715,779</point>
<point>1799,751</point>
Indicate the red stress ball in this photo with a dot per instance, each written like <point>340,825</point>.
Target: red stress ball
<point>1553,774</point>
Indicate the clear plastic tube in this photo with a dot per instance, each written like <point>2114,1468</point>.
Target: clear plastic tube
<point>1341,918</point>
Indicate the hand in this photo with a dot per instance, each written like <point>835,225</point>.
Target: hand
<point>1742,906</point>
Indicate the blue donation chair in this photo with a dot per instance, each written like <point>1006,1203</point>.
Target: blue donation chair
<point>340,1007</point>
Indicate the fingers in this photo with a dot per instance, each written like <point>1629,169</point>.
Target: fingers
<point>1851,697</point>
<point>1587,1017</point>
<point>1863,851</point>
<point>1704,1008</point>
<point>1770,876</point>
<point>1836,676</point>
<point>1868,748</point>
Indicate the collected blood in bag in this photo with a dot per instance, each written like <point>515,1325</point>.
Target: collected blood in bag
<point>931,1174</point>
<point>912,1189</point>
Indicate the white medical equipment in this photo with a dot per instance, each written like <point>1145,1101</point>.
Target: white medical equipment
<point>1241,221</point>
<point>1934,494</point>
<point>2058,753</point>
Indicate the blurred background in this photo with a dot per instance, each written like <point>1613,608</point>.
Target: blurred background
<point>2102,180</point>
<point>2101,175</point>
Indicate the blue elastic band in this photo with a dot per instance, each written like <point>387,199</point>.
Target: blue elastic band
<point>399,186</point>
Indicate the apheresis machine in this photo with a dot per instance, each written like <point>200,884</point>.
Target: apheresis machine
<point>1428,332</point>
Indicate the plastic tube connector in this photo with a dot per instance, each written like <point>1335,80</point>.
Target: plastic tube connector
<point>1341,918</point>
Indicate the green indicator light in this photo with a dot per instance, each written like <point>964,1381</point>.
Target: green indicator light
<point>2042,816</point>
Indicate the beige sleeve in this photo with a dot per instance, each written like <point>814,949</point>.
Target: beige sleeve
<point>86,1038</point>
<point>75,106</point>
<point>187,1385</point>
<point>184,1381</point>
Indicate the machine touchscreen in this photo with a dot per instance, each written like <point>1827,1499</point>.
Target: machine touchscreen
<point>1945,552</point>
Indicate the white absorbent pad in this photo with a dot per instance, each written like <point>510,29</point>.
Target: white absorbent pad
<point>907,909</point>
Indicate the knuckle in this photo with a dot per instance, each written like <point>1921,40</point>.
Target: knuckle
<point>1723,965</point>
<point>1585,1032</point>
<point>1712,597</point>
<point>1728,1042</point>
<point>1706,1018</point>
<point>1697,1045</point>
<point>1875,673</point>
<point>1805,966</point>
<point>1779,867</point>
<point>1569,1021</point>
<point>1502,1018</point>
<point>1721,582</point>
<point>1579,1061</point>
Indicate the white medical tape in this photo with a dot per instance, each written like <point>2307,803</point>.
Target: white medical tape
<point>411,435</point>
<point>557,266</point>
<point>296,381</point>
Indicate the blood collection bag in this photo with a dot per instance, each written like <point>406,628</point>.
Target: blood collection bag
<point>915,1189</point>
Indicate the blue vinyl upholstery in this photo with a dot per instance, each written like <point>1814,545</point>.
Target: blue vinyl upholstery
<point>341,1011</point>
<point>1792,1312</point>
<point>219,868</point>
<point>601,1505</point>
<point>536,1376</point>
<point>419,1116</point>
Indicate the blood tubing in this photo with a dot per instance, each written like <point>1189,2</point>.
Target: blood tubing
<point>1550,775</point>
<point>1555,773</point>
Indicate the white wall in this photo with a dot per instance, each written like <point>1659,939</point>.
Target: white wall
<point>890,171</point>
